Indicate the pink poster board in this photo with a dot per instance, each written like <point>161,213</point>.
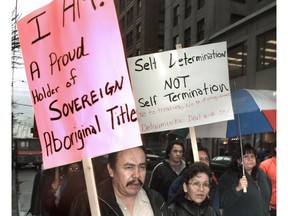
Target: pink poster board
<point>78,81</point>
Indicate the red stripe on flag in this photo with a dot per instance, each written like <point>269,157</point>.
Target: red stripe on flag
<point>271,116</point>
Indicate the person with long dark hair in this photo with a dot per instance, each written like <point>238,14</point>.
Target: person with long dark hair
<point>234,200</point>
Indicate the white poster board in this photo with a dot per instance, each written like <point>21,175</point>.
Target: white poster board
<point>181,88</point>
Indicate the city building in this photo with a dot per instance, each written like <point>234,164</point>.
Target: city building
<point>142,25</point>
<point>248,27</point>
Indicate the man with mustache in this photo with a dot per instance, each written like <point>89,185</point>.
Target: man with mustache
<point>124,193</point>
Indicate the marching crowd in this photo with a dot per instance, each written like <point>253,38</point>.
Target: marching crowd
<point>176,187</point>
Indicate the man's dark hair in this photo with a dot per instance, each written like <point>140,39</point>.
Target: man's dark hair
<point>202,148</point>
<point>170,146</point>
<point>190,157</point>
<point>113,157</point>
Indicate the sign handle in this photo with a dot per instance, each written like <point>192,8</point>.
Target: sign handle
<point>91,186</point>
<point>191,129</point>
<point>57,173</point>
<point>194,143</point>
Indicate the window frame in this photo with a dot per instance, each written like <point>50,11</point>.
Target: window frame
<point>239,52</point>
<point>265,46</point>
<point>176,13</point>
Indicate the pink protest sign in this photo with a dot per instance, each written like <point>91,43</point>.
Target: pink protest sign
<point>78,80</point>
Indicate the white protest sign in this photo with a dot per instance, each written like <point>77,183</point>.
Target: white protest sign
<point>181,88</point>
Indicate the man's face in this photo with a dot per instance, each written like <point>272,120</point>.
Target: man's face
<point>130,171</point>
<point>176,153</point>
<point>203,157</point>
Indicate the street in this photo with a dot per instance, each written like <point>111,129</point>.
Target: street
<point>24,185</point>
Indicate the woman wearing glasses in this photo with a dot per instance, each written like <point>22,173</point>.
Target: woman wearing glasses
<point>235,201</point>
<point>193,199</point>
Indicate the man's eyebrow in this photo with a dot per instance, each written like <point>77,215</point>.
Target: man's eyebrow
<point>129,164</point>
<point>133,164</point>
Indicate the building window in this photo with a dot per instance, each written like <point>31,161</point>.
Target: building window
<point>176,40</point>
<point>187,37</point>
<point>122,23</point>
<point>161,30</point>
<point>266,50</point>
<point>122,5</point>
<point>237,58</point>
<point>129,39</point>
<point>239,1</point>
<point>201,4</point>
<point>139,5</point>
<point>162,6</point>
<point>176,15</point>
<point>235,17</point>
<point>187,8</point>
<point>200,30</point>
<point>130,16</point>
<point>138,52</point>
<point>138,33</point>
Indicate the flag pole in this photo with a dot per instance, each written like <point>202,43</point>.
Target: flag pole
<point>57,175</point>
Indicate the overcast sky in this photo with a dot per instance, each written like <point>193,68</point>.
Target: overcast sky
<point>20,90</point>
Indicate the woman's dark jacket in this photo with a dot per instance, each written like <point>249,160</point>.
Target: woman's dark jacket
<point>237,203</point>
<point>108,204</point>
<point>185,207</point>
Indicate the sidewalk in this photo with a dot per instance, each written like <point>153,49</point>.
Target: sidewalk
<point>15,211</point>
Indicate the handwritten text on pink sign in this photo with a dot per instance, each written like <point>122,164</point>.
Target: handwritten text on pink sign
<point>78,80</point>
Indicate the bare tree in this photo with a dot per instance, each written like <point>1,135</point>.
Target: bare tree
<point>15,45</point>
<point>16,57</point>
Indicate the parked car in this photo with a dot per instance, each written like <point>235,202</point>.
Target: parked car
<point>152,158</point>
<point>219,165</point>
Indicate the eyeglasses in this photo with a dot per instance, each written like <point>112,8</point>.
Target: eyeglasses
<point>198,185</point>
<point>249,156</point>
